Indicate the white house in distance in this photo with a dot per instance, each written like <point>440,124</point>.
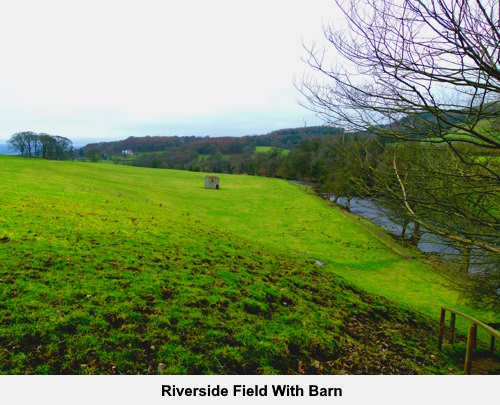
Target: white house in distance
<point>127,152</point>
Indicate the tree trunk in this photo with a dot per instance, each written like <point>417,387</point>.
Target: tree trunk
<point>465,260</point>
<point>335,199</point>
<point>415,237</point>
<point>349,203</point>
<point>403,231</point>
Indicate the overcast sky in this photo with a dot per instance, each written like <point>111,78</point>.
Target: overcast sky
<point>102,70</point>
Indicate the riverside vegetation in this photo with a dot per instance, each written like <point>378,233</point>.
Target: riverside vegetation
<point>110,269</point>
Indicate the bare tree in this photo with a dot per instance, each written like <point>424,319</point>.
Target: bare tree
<point>63,147</point>
<point>31,140</point>
<point>17,142</point>
<point>47,145</point>
<point>425,74</point>
<point>31,144</point>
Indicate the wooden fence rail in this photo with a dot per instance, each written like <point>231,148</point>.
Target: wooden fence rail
<point>471,339</point>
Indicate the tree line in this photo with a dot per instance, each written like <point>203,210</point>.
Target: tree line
<point>283,138</point>
<point>31,144</point>
<point>303,161</point>
<point>284,153</point>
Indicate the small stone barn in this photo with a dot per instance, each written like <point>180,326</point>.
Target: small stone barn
<point>212,182</point>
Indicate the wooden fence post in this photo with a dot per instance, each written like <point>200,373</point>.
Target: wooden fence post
<point>441,329</point>
<point>471,342</point>
<point>452,327</point>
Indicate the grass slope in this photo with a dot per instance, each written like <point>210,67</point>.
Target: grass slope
<point>114,269</point>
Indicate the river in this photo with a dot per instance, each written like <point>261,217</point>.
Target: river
<point>365,208</point>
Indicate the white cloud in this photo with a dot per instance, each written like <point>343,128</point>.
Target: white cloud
<point>98,67</point>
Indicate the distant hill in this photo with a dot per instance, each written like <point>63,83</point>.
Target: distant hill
<point>283,138</point>
<point>250,154</point>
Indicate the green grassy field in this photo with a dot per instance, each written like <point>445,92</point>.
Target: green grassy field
<point>267,149</point>
<point>116,269</point>
<point>487,128</point>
